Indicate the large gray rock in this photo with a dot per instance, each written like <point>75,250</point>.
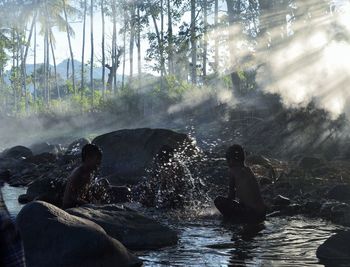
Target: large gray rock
<point>17,152</point>
<point>134,230</point>
<point>75,148</point>
<point>44,147</point>
<point>308,163</point>
<point>340,192</point>
<point>128,153</point>
<point>335,249</point>
<point>52,237</point>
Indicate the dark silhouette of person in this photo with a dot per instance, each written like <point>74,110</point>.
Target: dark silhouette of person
<point>244,203</point>
<point>79,181</point>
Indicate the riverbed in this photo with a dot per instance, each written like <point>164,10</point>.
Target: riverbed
<point>208,241</point>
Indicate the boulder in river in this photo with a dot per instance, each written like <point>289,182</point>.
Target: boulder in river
<point>44,147</point>
<point>47,189</point>
<point>128,153</point>
<point>340,192</point>
<point>17,152</point>
<point>134,230</point>
<point>335,251</point>
<point>309,163</point>
<point>74,149</point>
<point>52,237</point>
<point>281,201</point>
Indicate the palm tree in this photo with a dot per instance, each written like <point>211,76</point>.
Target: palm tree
<point>69,33</point>
<point>83,51</point>
<point>92,52</point>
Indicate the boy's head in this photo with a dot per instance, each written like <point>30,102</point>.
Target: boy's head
<point>91,155</point>
<point>235,155</point>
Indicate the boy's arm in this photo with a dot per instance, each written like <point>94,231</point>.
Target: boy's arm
<point>232,187</point>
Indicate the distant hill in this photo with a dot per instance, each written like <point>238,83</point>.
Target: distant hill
<point>62,71</point>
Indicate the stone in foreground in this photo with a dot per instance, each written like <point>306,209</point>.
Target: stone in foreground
<point>134,230</point>
<point>52,237</point>
<point>335,250</point>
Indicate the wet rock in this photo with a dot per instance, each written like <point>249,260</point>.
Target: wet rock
<point>5,175</point>
<point>52,237</point>
<point>134,230</point>
<point>340,192</point>
<point>335,250</point>
<point>24,199</point>
<point>311,207</point>
<point>291,210</point>
<point>265,181</point>
<point>281,201</point>
<point>308,163</point>
<point>119,194</point>
<point>17,152</point>
<point>74,149</point>
<point>326,209</point>
<point>41,158</point>
<point>44,147</point>
<point>50,190</point>
<point>128,153</point>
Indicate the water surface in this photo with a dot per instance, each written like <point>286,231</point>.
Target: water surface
<point>208,241</point>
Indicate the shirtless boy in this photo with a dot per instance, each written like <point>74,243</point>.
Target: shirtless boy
<point>244,202</point>
<point>79,180</point>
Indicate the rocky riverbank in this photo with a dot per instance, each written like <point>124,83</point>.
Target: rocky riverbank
<point>308,185</point>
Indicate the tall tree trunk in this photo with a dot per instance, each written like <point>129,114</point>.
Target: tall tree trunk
<point>216,45</point>
<point>67,74</point>
<point>103,51</point>
<point>124,49</point>
<point>55,67</point>
<point>14,70</point>
<point>161,44</point>
<point>70,45</point>
<point>132,40</point>
<point>83,53</point>
<point>45,68</point>
<point>139,45</point>
<point>205,41</point>
<point>233,9</point>
<point>24,71</point>
<point>170,40</point>
<point>23,75</point>
<point>193,43</point>
<point>114,48</point>
<point>48,67</point>
<point>92,54</point>
<point>34,71</point>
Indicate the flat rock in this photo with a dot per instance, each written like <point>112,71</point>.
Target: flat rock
<point>134,230</point>
<point>52,237</point>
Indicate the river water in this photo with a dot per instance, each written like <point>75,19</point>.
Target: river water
<point>207,241</point>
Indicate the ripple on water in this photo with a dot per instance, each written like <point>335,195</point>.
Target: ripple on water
<point>206,241</point>
<point>10,195</point>
<point>283,242</point>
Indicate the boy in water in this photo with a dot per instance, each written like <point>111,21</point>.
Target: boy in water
<point>79,181</point>
<point>243,186</point>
